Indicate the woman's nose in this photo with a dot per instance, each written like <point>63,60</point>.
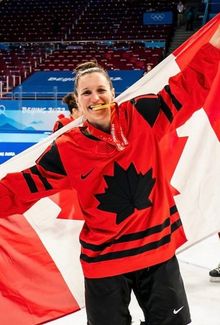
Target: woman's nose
<point>94,97</point>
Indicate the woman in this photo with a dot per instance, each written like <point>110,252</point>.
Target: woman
<point>132,227</point>
<point>70,100</point>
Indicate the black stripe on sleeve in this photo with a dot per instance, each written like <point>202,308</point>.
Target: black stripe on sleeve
<point>51,161</point>
<point>173,210</point>
<point>166,110</point>
<point>175,101</point>
<point>44,181</point>
<point>30,182</point>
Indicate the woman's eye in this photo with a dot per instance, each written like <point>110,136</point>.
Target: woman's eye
<point>86,92</point>
<point>101,90</point>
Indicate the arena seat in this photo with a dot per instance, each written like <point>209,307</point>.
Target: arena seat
<point>56,27</point>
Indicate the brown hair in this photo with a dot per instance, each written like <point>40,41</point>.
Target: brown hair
<point>89,67</point>
<point>70,100</point>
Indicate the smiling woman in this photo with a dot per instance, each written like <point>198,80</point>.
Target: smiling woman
<point>132,227</point>
<point>93,88</point>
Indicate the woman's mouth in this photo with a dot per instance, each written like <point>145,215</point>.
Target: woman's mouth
<point>101,106</point>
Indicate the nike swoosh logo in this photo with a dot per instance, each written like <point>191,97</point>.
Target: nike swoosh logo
<point>176,311</point>
<point>83,176</point>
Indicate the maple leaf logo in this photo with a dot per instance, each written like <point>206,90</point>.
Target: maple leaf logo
<point>127,190</point>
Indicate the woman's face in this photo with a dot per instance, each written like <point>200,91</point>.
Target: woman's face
<point>93,88</point>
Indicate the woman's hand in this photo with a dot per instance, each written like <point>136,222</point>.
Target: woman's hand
<point>215,39</point>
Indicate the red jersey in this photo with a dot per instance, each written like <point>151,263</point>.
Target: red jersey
<point>131,220</point>
<point>62,120</point>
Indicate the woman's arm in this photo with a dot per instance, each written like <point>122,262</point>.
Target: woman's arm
<point>191,86</point>
<point>185,92</point>
<point>215,39</point>
<point>18,191</point>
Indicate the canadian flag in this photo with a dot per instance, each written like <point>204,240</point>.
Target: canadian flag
<point>41,277</point>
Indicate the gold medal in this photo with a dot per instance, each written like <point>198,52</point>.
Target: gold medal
<point>101,106</point>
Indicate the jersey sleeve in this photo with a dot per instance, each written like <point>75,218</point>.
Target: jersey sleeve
<point>191,86</point>
<point>19,191</point>
<point>184,93</point>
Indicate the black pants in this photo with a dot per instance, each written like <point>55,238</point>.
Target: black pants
<point>159,291</point>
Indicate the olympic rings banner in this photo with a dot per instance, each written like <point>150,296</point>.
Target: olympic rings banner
<point>158,18</point>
